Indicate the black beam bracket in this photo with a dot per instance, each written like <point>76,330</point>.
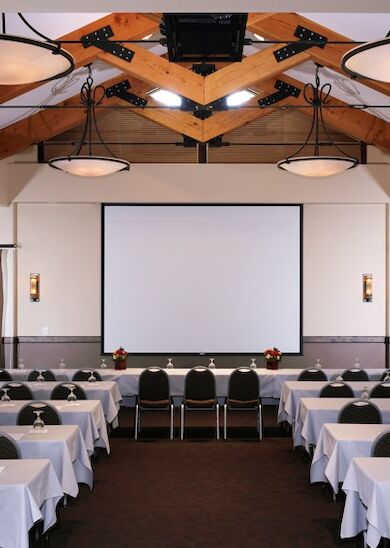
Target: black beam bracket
<point>121,90</point>
<point>306,36</point>
<point>203,111</point>
<point>284,90</point>
<point>100,39</point>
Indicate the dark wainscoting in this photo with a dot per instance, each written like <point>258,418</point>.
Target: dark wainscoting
<point>334,352</point>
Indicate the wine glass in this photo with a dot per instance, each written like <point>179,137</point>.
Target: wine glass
<point>40,377</point>
<point>339,378</point>
<point>92,377</point>
<point>318,365</point>
<point>169,364</point>
<point>211,364</point>
<point>5,396</point>
<point>72,396</point>
<point>386,378</point>
<point>253,363</point>
<point>62,365</point>
<point>21,364</point>
<point>365,393</point>
<point>357,364</point>
<point>103,365</point>
<point>38,423</point>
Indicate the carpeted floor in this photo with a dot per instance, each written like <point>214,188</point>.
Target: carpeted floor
<point>200,494</point>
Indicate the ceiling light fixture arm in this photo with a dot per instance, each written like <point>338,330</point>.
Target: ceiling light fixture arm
<point>35,31</point>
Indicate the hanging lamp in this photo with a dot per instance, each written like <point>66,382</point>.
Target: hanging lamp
<point>25,60</point>
<point>317,165</point>
<point>370,60</point>
<point>90,165</point>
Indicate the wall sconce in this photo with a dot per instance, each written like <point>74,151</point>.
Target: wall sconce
<point>367,288</point>
<point>34,288</point>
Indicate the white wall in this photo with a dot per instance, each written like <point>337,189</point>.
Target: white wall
<point>8,265</point>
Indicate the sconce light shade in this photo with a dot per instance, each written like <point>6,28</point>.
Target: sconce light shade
<point>367,288</point>
<point>371,60</point>
<point>35,288</point>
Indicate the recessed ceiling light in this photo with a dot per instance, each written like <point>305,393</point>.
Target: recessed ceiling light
<point>239,98</point>
<point>166,98</point>
<point>258,37</point>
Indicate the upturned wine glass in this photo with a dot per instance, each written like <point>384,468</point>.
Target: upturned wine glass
<point>211,364</point>
<point>92,377</point>
<point>5,396</point>
<point>103,365</point>
<point>72,396</point>
<point>38,423</point>
<point>253,363</point>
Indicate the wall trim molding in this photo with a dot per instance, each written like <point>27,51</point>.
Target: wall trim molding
<point>344,339</point>
<point>58,339</point>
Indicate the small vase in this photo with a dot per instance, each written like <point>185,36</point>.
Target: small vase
<point>272,365</point>
<point>120,364</point>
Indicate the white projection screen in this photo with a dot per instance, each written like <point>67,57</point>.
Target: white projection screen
<point>201,279</point>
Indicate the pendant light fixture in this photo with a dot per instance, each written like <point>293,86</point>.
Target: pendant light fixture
<point>317,165</point>
<point>90,165</point>
<point>371,60</point>
<point>25,60</point>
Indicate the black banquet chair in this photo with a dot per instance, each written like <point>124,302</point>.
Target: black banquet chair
<point>26,415</point>
<point>381,390</point>
<point>381,445</point>
<point>4,375</point>
<point>360,412</point>
<point>336,389</point>
<point>243,395</point>
<point>17,391</point>
<point>153,395</point>
<point>312,374</point>
<point>62,391</point>
<point>355,374</point>
<point>199,395</point>
<point>43,374</point>
<point>8,447</point>
<point>86,374</point>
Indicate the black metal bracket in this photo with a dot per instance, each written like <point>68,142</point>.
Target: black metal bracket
<point>204,69</point>
<point>121,90</point>
<point>284,90</point>
<point>306,36</point>
<point>215,142</point>
<point>100,39</point>
<point>203,111</point>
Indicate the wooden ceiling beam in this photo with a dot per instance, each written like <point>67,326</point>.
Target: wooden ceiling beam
<point>281,26</point>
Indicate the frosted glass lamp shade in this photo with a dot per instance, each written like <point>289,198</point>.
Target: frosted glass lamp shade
<point>89,166</point>
<point>371,60</point>
<point>317,166</point>
<point>24,61</point>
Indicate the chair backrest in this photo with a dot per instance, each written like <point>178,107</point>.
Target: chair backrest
<point>337,389</point>
<point>355,375</point>
<point>153,386</point>
<point>4,375</point>
<point>8,447</point>
<point>84,375</point>
<point>244,386</point>
<point>46,374</point>
<point>62,391</point>
<point>199,384</point>
<point>360,412</point>
<point>381,445</point>
<point>26,415</point>
<point>381,390</point>
<point>17,391</point>
<point>312,374</point>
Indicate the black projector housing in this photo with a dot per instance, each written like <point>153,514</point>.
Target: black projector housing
<point>204,36</point>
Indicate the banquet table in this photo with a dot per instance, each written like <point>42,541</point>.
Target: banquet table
<point>87,414</point>
<point>29,492</point>
<point>293,391</point>
<point>106,391</point>
<point>337,445</point>
<point>313,413</point>
<point>367,486</point>
<point>64,446</point>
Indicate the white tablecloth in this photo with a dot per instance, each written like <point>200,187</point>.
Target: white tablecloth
<point>106,391</point>
<point>64,446</point>
<point>367,486</point>
<point>87,414</point>
<point>337,445</point>
<point>29,492</point>
<point>313,413</point>
<point>293,391</point>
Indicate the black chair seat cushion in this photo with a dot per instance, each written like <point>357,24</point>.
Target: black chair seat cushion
<point>155,403</point>
<point>243,403</point>
<point>200,403</point>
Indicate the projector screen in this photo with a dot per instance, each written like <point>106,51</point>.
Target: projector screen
<point>194,279</point>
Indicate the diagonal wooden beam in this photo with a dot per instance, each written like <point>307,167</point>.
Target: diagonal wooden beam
<point>130,26</point>
<point>281,26</point>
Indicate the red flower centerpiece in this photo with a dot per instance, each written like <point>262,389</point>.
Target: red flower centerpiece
<point>119,357</point>
<point>273,357</point>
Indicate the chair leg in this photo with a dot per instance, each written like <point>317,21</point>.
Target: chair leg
<point>182,421</point>
<point>171,429</point>
<point>225,421</point>
<point>217,413</point>
<point>260,423</point>
<point>136,421</point>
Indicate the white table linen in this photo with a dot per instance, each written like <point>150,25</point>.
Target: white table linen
<point>337,445</point>
<point>64,446</point>
<point>367,486</point>
<point>29,492</point>
<point>87,414</point>
<point>313,413</point>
